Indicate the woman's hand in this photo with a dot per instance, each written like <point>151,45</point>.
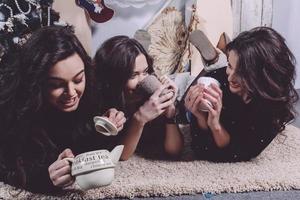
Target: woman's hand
<point>155,106</point>
<point>116,117</point>
<point>171,88</point>
<point>193,99</point>
<point>219,133</point>
<point>60,170</point>
<point>192,102</point>
<point>214,95</point>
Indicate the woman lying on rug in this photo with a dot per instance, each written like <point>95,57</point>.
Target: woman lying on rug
<point>121,64</point>
<point>253,104</point>
<point>53,113</point>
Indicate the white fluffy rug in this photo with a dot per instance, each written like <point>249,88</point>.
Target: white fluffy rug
<point>277,168</point>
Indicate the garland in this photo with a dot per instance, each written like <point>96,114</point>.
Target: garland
<point>19,18</point>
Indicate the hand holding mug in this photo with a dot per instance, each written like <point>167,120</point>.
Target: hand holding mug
<point>94,169</point>
<point>111,123</point>
<point>173,89</point>
<point>154,106</point>
<point>116,117</point>
<point>151,83</point>
<point>214,95</point>
<point>207,83</point>
<point>60,170</point>
<point>193,99</point>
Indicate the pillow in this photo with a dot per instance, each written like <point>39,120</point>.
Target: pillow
<point>168,42</point>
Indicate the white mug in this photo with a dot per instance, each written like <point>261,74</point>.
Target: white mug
<point>206,81</point>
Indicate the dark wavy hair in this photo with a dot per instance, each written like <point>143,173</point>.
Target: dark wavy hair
<point>25,87</point>
<point>42,51</point>
<point>9,81</point>
<point>114,62</point>
<point>266,68</point>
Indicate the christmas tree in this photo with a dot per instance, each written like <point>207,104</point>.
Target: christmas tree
<point>19,18</point>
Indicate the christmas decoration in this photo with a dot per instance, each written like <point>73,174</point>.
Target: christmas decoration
<point>19,18</point>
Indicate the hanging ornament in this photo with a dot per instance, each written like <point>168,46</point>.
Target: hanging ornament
<point>21,11</point>
<point>19,18</point>
<point>3,8</point>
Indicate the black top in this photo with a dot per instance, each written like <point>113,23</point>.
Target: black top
<point>249,125</point>
<point>47,137</point>
<point>151,143</point>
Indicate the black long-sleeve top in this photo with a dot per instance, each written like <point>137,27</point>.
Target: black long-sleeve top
<point>249,125</point>
<point>42,141</point>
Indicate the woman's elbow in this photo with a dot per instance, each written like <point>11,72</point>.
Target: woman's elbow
<point>222,144</point>
<point>174,150</point>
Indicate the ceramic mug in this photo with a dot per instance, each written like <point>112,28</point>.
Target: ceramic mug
<point>104,126</point>
<point>206,81</point>
<point>149,85</point>
<point>95,168</point>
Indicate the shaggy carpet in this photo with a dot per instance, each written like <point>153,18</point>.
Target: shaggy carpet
<point>276,168</point>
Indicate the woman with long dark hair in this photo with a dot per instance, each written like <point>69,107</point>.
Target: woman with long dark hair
<point>254,102</point>
<point>121,64</point>
<point>51,111</point>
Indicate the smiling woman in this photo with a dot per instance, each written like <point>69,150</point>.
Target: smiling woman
<point>66,83</point>
<point>254,102</point>
<point>52,112</point>
<point>121,65</point>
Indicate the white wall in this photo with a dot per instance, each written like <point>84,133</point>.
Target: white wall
<point>127,20</point>
<point>248,14</point>
<point>286,20</point>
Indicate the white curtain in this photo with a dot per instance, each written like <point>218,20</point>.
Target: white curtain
<point>125,21</point>
<point>130,15</point>
<point>132,3</point>
<point>286,20</point>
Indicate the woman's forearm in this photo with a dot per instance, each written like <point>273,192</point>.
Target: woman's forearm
<point>132,137</point>
<point>173,140</point>
<point>202,122</point>
<point>221,136</point>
